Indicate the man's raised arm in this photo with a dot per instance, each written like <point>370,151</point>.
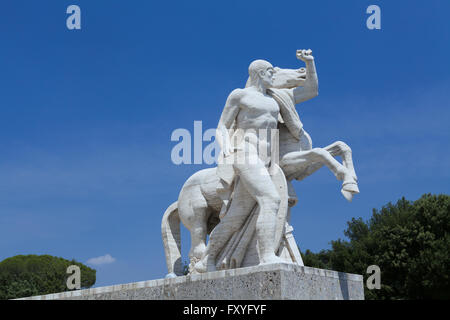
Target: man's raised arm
<point>311,86</point>
<point>227,118</point>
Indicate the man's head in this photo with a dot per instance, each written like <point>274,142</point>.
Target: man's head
<point>261,70</point>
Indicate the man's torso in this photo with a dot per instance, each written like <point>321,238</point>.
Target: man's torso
<point>258,115</point>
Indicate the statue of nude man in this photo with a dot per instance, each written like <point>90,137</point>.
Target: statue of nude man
<point>254,113</point>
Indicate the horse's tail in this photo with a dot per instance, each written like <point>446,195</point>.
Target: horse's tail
<point>170,228</point>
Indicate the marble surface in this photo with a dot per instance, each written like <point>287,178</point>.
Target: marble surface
<point>282,281</point>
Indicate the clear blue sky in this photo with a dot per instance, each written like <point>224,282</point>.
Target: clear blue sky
<point>86,116</point>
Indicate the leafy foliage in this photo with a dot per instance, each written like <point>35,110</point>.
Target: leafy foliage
<point>30,275</point>
<point>410,243</point>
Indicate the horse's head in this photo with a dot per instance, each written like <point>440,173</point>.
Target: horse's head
<point>286,78</point>
<point>289,78</point>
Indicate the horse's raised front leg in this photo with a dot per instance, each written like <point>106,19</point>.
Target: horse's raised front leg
<point>306,162</point>
<point>341,149</point>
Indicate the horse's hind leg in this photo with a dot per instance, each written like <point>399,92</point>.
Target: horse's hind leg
<point>194,215</point>
<point>198,236</point>
<point>193,209</point>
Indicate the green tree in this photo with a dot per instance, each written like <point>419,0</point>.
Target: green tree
<point>410,243</point>
<point>30,275</point>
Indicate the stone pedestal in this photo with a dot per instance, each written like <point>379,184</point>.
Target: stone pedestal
<point>281,281</point>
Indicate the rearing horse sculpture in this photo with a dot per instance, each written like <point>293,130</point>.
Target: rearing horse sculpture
<point>199,204</point>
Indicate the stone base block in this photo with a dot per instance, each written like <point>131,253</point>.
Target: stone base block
<point>281,281</point>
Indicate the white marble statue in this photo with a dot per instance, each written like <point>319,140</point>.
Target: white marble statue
<point>244,204</point>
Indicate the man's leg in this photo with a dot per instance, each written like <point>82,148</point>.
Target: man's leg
<point>255,186</point>
<point>258,183</point>
<point>240,207</point>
